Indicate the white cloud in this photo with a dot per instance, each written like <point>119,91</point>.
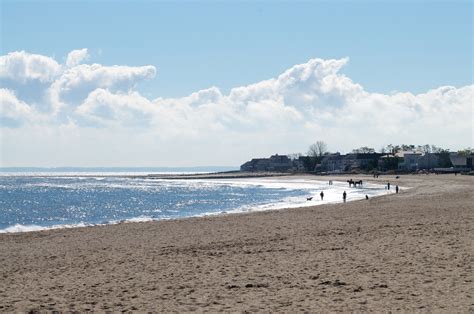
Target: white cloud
<point>22,66</point>
<point>75,84</point>
<point>308,102</point>
<point>11,107</point>
<point>120,77</point>
<point>75,57</point>
<point>51,86</point>
<point>106,108</point>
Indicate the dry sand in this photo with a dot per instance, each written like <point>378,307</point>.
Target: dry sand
<point>408,252</point>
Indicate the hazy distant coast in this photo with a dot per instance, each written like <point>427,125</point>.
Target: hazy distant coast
<point>191,173</point>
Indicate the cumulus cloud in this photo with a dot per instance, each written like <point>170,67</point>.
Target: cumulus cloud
<point>49,86</point>
<point>106,108</point>
<point>12,107</point>
<point>22,67</point>
<point>76,83</point>
<point>14,112</point>
<point>75,57</point>
<point>308,102</point>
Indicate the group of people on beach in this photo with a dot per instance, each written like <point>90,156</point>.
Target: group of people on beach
<point>344,194</point>
<point>397,189</point>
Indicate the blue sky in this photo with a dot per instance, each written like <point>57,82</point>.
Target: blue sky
<point>403,46</point>
<point>148,83</point>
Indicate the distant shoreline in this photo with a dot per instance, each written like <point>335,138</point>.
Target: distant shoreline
<point>235,174</point>
<point>312,185</point>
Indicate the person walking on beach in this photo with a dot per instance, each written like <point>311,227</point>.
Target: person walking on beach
<point>388,185</point>
<point>322,195</point>
<point>344,195</point>
<point>396,189</point>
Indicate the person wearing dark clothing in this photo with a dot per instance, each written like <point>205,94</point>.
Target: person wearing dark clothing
<point>366,197</point>
<point>396,189</point>
<point>388,185</point>
<point>322,195</point>
<point>344,195</point>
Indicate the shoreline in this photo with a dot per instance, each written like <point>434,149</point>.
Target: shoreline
<point>404,252</point>
<point>220,176</point>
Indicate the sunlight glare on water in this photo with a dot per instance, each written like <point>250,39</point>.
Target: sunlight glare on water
<point>34,203</point>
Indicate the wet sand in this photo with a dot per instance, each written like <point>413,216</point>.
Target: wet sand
<point>412,251</point>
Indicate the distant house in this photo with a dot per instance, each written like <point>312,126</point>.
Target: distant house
<point>362,160</point>
<point>274,163</point>
<point>332,163</point>
<point>256,164</point>
<point>409,161</point>
<point>462,162</point>
<point>340,163</point>
<point>412,161</point>
<point>428,161</point>
<point>280,163</point>
<point>299,164</point>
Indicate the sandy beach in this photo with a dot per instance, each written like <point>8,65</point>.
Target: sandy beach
<point>412,251</point>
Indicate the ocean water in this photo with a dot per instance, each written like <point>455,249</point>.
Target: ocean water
<point>29,203</point>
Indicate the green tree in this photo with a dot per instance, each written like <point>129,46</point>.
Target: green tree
<point>425,148</point>
<point>466,151</point>
<point>444,160</point>
<point>390,163</point>
<point>406,147</point>
<point>393,149</point>
<point>363,150</point>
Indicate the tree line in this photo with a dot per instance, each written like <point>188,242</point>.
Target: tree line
<point>320,148</point>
